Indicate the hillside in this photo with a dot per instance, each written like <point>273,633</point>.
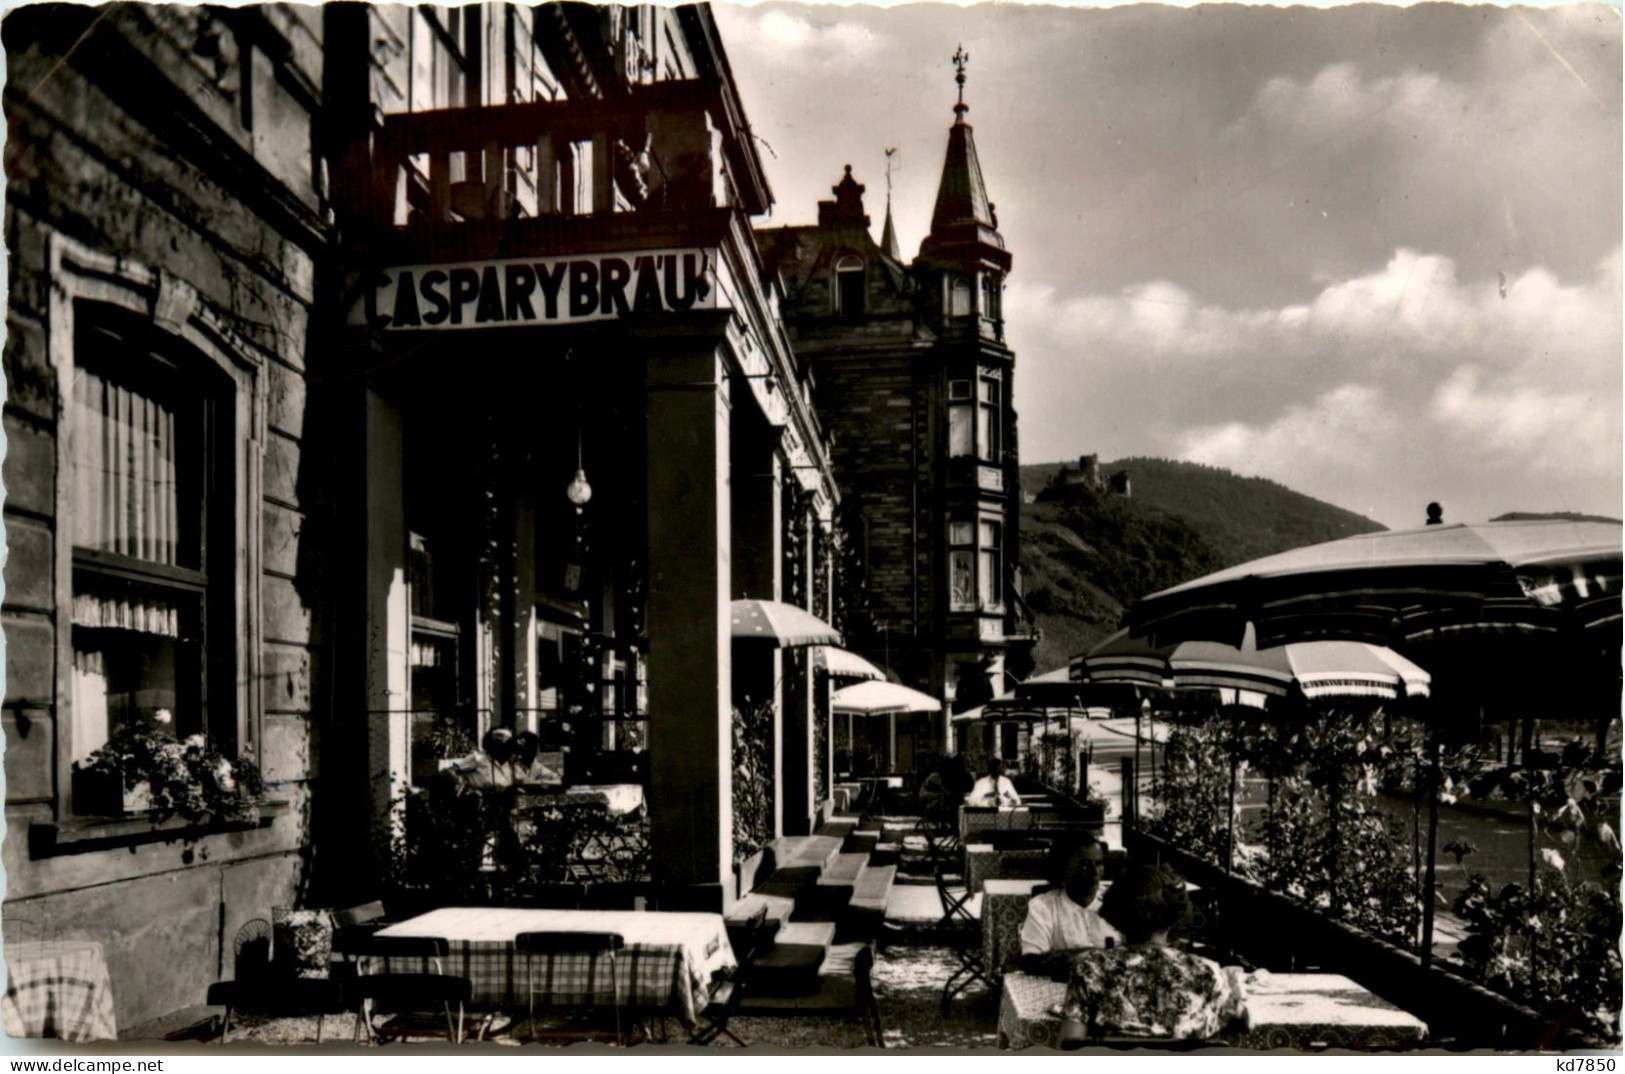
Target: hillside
<point>1085,556</point>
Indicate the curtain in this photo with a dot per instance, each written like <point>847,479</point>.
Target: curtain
<point>123,471</point>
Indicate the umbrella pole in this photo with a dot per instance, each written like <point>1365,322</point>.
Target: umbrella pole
<point>1430,883</point>
<point>1230,819</point>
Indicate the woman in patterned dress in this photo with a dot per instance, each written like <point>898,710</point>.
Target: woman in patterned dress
<point>1145,988</point>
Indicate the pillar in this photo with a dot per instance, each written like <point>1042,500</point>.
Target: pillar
<point>688,624</point>
<point>798,755</point>
<point>759,670</point>
<point>386,612</point>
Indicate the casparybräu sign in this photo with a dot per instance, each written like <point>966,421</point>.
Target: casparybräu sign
<point>556,290</point>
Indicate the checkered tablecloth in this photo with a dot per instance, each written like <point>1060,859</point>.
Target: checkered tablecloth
<point>670,962</point>
<point>58,988</point>
<point>974,820</point>
<point>1004,909</point>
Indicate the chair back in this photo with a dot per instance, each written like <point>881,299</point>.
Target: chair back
<point>955,900</point>
<point>430,948</point>
<point>569,943</point>
<point>742,935</point>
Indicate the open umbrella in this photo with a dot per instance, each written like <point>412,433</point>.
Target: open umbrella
<point>881,699</point>
<point>1525,576</point>
<point>783,625</point>
<point>848,666</point>
<point>1320,669</point>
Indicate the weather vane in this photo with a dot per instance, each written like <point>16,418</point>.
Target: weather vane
<point>961,58</point>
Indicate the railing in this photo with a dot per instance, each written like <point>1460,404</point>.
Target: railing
<point>656,148</point>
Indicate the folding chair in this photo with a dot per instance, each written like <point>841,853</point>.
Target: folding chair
<point>744,936</point>
<point>567,953</point>
<point>405,992</point>
<point>962,927</point>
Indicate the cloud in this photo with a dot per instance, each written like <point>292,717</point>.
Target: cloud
<point>1379,391</point>
<point>797,36</point>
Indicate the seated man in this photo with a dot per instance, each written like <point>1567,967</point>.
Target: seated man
<point>1144,987</point>
<point>1061,921</point>
<point>993,789</point>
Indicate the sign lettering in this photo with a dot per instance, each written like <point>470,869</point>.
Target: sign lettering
<point>561,290</point>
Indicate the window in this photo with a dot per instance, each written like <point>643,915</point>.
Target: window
<point>151,492</point>
<point>976,565</point>
<point>961,567</point>
<point>990,296</point>
<point>961,297</point>
<point>849,286</point>
<point>990,577</point>
<point>988,425</point>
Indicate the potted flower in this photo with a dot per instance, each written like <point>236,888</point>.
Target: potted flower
<point>143,769</point>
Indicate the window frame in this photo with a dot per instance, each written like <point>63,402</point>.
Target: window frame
<point>990,417</point>
<point>849,267</point>
<point>986,562</point>
<point>129,355</point>
<point>90,287</point>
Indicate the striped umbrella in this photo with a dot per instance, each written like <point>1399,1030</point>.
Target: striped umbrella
<point>1529,576</point>
<point>848,667</point>
<point>1320,669</point>
<point>780,624</point>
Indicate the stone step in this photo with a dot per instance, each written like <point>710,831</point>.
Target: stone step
<point>779,907</point>
<point>870,891</point>
<point>802,850</point>
<point>817,934</point>
<point>790,967</point>
<point>837,827</point>
<point>844,869</point>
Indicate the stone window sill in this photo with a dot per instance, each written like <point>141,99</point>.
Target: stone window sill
<point>85,835</point>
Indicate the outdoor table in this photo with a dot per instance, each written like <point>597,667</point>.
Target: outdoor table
<point>976,820</point>
<point>985,861</point>
<point>1287,1010</point>
<point>58,988</point>
<point>620,798</point>
<point>1004,909</point>
<point>669,964</point>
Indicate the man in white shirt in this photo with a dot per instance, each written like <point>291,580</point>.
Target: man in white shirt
<point>1063,920</point>
<point>993,789</point>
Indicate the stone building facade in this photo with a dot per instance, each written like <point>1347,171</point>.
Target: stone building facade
<point>369,369</point>
<point>166,219</point>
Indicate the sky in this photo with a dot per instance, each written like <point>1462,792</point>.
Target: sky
<point>1372,253</point>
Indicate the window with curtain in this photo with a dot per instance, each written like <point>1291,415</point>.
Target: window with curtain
<point>988,426</point>
<point>961,297</point>
<point>961,567</point>
<point>142,491</point>
<point>990,590</point>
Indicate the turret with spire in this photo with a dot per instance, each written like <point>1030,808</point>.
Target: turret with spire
<point>964,228</point>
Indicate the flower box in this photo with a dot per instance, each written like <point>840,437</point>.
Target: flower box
<point>102,793</point>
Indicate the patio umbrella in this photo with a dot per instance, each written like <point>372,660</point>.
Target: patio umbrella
<point>1528,576</point>
<point>1320,669</point>
<point>881,699</point>
<point>783,625</point>
<point>848,666</point>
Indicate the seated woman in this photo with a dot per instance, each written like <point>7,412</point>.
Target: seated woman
<point>993,789</point>
<point>1061,922</point>
<point>1146,988</point>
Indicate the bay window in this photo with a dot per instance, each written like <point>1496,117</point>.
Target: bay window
<point>976,565</point>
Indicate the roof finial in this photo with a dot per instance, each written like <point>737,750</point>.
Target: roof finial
<point>961,59</point>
